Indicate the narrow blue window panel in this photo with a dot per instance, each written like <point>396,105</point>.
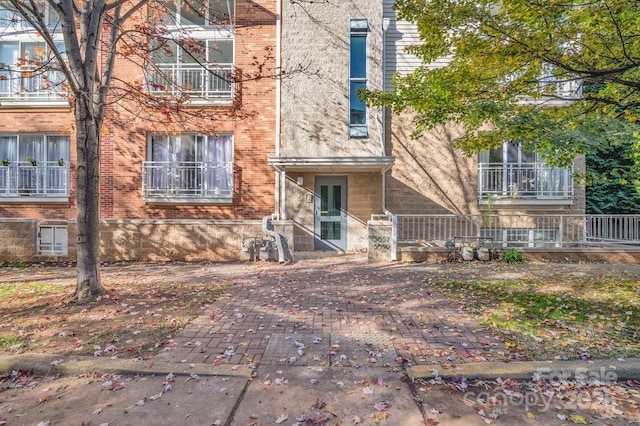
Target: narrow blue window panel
<point>358,59</point>
<point>357,108</point>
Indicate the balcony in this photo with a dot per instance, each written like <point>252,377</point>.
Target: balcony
<point>524,181</point>
<point>46,180</point>
<point>188,182</point>
<point>44,87</point>
<point>550,90</point>
<point>208,82</point>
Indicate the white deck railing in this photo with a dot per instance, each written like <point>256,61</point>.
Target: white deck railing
<point>524,181</point>
<point>518,230</point>
<point>45,179</point>
<point>35,87</point>
<point>551,86</point>
<point>207,81</point>
<point>187,180</point>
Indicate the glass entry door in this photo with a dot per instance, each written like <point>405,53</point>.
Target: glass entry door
<point>331,213</point>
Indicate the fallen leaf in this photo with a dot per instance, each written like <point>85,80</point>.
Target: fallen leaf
<point>576,418</point>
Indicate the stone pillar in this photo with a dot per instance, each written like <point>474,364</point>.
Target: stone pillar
<point>380,246</point>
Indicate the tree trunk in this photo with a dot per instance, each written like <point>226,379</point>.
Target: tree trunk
<point>88,201</point>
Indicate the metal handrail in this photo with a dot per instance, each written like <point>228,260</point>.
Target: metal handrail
<point>43,179</point>
<point>523,180</point>
<point>187,179</point>
<point>206,81</point>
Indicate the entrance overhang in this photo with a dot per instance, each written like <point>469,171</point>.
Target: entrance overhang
<point>331,164</point>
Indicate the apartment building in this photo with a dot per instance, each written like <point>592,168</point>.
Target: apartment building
<point>189,190</point>
<point>341,163</point>
<point>302,148</point>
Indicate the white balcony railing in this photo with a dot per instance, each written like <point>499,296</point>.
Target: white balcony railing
<point>191,180</point>
<point>34,87</point>
<point>210,81</point>
<point>565,89</point>
<point>45,179</point>
<point>523,181</point>
<point>548,87</point>
<point>524,230</point>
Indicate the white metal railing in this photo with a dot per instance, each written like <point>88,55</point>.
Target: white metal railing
<point>187,180</point>
<point>44,179</point>
<point>569,88</point>
<point>524,181</point>
<point>520,230</point>
<point>614,228</point>
<point>565,89</point>
<point>201,81</point>
<point>45,86</point>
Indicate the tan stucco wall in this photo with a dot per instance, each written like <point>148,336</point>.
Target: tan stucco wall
<point>181,240</point>
<point>18,238</point>
<point>315,93</point>
<point>364,197</point>
<point>188,240</point>
<point>431,177</point>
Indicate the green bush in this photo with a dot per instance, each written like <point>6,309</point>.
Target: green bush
<point>513,255</point>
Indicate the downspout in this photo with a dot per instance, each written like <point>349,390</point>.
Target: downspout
<point>280,180</point>
<point>394,219</point>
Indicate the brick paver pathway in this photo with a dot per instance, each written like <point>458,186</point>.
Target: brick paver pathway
<point>342,302</point>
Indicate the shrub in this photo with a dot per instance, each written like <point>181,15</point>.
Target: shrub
<point>512,255</point>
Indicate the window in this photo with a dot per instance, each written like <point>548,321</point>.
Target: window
<point>189,166</point>
<point>53,240</point>
<point>204,70</point>
<point>10,18</point>
<point>199,12</point>
<point>34,165</point>
<point>26,71</point>
<point>511,172</point>
<point>358,77</point>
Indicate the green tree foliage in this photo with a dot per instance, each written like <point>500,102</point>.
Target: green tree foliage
<point>507,63</point>
<point>609,191</point>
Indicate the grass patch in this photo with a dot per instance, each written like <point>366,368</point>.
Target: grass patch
<point>134,318</point>
<point>557,320</point>
<point>9,341</point>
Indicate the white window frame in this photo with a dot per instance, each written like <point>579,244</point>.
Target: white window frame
<point>59,244</point>
<point>177,21</point>
<point>209,166</point>
<point>531,181</point>
<point>19,23</point>
<point>358,27</point>
<point>12,87</point>
<point>41,173</point>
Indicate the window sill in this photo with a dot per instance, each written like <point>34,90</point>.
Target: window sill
<point>34,103</point>
<point>188,201</point>
<point>358,132</point>
<point>196,101</point>
<point>509,202</point>
<point>33,199</point>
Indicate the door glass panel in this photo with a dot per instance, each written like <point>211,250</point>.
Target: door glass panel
<point>330,230</point>
<point>330,200</point>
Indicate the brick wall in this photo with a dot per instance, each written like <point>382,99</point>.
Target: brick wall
<point>124,136</point>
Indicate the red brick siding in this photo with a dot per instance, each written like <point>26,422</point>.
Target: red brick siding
<point>123,144</point>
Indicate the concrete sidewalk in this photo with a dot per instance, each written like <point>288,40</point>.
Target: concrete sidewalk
<point>127,392</point>
<point>322,341</point>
